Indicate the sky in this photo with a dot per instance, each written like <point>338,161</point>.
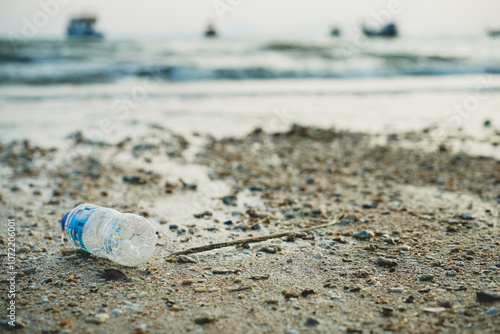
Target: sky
<point>259,18</point>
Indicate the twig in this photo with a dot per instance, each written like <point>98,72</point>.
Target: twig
<point>248,240</point>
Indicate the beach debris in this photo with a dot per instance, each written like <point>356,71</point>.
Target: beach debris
<point>113,275</point>
<point>383,262</point>
<point>205,317</point>
<point>487,297</point>
<point>299,233</point>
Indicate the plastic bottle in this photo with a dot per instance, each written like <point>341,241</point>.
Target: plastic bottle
<point>124,238</point>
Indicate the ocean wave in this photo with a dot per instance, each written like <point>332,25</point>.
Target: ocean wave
<point>186,74</point>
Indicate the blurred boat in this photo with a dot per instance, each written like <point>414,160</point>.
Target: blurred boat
<point>335,32</point>
<point>210,32</point>
<point>493,33</point>
<point>389,30</point>
<point>83,27</point>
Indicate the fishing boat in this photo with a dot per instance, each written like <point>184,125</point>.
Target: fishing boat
<point>389,30</point>
<point>210,32</point>
<point>493,33</point>
<point>335,32</point>
<point>83,27</point>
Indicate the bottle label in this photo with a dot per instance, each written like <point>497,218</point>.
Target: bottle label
<point>76,225</point>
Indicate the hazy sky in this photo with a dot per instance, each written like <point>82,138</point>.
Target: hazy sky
<point>122,18</point>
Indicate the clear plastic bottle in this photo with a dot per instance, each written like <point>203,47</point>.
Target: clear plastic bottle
<point>124,238</point>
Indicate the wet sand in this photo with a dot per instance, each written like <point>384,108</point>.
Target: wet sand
<point>417,235</point>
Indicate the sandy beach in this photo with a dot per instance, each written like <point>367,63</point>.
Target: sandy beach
<point>415,248</point>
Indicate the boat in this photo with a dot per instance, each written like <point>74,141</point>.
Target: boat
<point>389,30</point>
<point>210,32</point>
<point>493,33</point>
<point>335,31</point>
<point>83,27</point>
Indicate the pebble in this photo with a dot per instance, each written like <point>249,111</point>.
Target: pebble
<point>23,249</point>
<point>205,317</point>
<point>492,311</point>
<point>445,302</point>
<point>116,311</point>
<point>311,322</point>
<point>289,294</point>
<point>382,261</point>
<point>101,318</point>
<point>270,249</point>
<point>487,297</point>
<point>451,273</point>
<point>29,271</point>
<point>230,200</point>
<point>397,290</point>
<point>186,259</point>
<point>405,248</point>
<point>364,235</point>
<point>426,278</point>
<point>292,331</point>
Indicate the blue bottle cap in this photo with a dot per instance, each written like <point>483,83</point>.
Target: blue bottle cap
<point>63,221</point>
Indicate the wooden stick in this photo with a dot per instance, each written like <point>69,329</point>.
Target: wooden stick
<point>248,240</point>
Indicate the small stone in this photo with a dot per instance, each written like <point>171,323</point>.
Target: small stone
<point>410,299</point>
<point>445,302</point>
<point>364,235</point>
<point>23,249</point>
<point>307,292</point>
<point>270,249</point>
<point>405,248</point>
<point>176,308</point>
<point>451,273</point>
<point>116,311</point>
<point>101,318</point>
<point>383,262</point>
<point>397,290</point>
<point>29,271</point>
<point>187,282</point>
<point>186,259</point>
<point>487,297</point>
<point>311,322</point>
<point>205,318</point>
<point>492,311</point>
<point>426,278</point>
<point>230,200</point>
<point>271,301</point>
<point>289,294</point>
